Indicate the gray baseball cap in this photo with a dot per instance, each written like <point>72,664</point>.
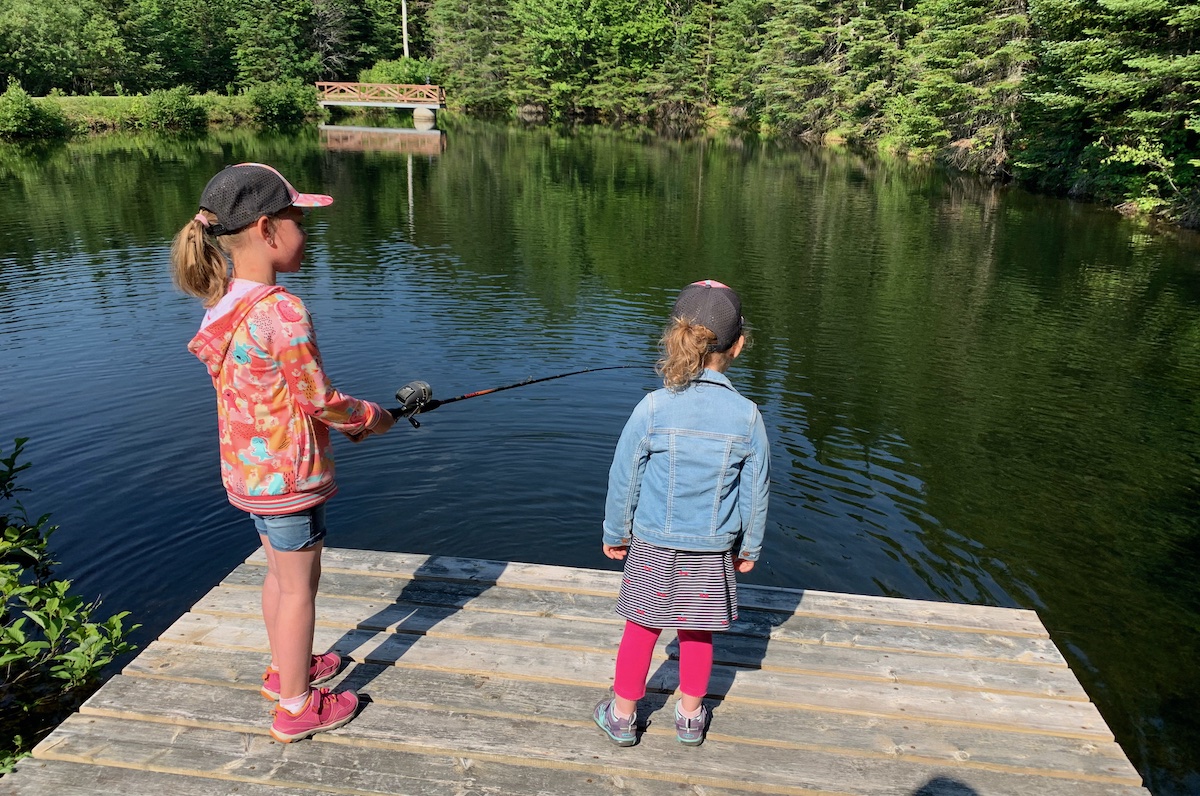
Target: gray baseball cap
<point>239,195</point>
<point>714,306</point>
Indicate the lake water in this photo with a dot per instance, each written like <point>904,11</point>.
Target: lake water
<point>972,395</point>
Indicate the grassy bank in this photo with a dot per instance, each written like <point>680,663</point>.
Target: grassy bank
<point>268,106</point>
<point>104,114</point>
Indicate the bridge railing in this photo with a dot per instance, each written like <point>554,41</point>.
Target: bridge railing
<point>382,92</point>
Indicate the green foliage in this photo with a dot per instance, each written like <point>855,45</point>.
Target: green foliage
<point>470,38</point>
<point>282,104</point>
<point>174,109</point>
<point>1062,94</point>
<point>274,40</point>
<point>51,648</point>
<point>799,82</point>
<point>22,117</point>
<point>405,71</point>
<point>1108,110</point>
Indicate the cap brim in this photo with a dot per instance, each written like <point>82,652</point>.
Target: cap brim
<point>312,200</point>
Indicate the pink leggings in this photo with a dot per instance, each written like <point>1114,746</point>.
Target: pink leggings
<point>633,661</point>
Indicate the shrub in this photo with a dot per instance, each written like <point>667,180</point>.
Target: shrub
<point>22,117</point>
<point>406,71</point>
<point>174,109</point>
<point>227,111</point>
<point>282,104</point>
<point>51,650</point>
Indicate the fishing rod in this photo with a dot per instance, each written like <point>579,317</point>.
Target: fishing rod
<point>416,397</point>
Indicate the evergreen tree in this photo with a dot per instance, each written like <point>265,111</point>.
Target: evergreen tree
<point>553,55</point>
<point>877,64</point>
<point>800,88</point>
<point>341,33</point>
<point>191,40</point>
<point>1113,106</point>
<point>469,39</point>
<point>968,64</point>
<point>630,40</point>
<point>273,40</point>
<point>677,89</point>
<point>739,33</point>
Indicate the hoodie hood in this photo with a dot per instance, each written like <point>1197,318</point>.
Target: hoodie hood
<point>211,343</point>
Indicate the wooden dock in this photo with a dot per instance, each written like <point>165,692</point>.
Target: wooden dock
<point>482,676</point>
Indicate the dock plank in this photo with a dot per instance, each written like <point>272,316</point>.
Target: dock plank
<point>478,677</point>
<point>1002,676</point>
<point>567,745</point>
<point>606,583</point>
<point>759,623</point>
<point>64,778</point>
<point>332,765</point>
<point>536,660</point>
<point>767,724</point>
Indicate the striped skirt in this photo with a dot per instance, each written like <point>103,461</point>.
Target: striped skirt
<point>677,588</point>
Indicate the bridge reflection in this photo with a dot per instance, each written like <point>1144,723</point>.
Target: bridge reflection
<point>382,139</point>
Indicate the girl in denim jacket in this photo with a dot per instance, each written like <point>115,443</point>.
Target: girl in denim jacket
<point>688,485</point>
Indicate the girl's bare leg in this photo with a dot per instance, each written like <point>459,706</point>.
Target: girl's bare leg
<point>289,611</point>
<point>270,597</point>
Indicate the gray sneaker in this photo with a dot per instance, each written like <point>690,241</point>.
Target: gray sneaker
<point>690,732</point>
<point>623,732</point>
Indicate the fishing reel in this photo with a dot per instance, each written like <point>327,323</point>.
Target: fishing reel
<point>413,397</point>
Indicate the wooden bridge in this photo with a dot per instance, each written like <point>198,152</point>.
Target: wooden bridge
<point>382,95</point>
<point>482,676</point>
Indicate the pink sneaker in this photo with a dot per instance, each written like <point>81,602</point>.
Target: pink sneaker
<point>323,710</point>
<point>322,668</point>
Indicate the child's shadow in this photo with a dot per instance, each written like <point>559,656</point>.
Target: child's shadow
<point>440,588</point>
<point>945,786</point>
<point>736,652</point>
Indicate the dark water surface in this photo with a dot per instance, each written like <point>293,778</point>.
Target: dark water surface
<point>972,395</point>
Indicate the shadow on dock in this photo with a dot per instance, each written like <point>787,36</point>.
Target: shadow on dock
<point>741,649</point>
<point>427,600</point>
<point>945,786</point>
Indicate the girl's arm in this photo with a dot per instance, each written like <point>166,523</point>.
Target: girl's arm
<point>294,347</point>
<point>625,477</point>
<point>754,492</point>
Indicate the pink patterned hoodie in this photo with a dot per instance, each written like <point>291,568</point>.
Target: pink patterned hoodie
<point>274,404</point>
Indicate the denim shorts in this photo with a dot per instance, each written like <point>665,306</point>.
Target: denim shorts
<point>290,532</point>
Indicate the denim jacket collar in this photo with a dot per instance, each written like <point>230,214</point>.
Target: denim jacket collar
<point>714,377</point>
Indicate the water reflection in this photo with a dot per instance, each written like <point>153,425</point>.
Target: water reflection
<point>347,138</point>
<point>972,395</point>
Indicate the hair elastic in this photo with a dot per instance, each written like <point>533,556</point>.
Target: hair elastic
<point>203,219</point>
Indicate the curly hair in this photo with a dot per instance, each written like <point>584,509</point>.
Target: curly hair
<point>685,353</point>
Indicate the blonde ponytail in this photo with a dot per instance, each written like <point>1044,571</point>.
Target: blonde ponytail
<point>684,347</point>
<point>198,266</point>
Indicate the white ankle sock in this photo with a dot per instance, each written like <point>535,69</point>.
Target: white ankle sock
<point>293,704</point>
<point>679,709</point>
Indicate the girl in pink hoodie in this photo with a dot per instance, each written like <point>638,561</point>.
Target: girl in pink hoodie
<point>275,407</point>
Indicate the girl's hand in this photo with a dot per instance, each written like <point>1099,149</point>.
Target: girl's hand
<point>742,565</point>
<point>383,423</point>
<point>616,552</point>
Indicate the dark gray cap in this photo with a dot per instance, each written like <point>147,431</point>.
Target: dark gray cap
<point>239,195</point>
<point>714,306</point>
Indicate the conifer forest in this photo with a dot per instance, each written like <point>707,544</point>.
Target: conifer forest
<point>1093,99</point>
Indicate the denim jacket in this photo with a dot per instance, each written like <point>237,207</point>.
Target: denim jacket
<point>691,471</point>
